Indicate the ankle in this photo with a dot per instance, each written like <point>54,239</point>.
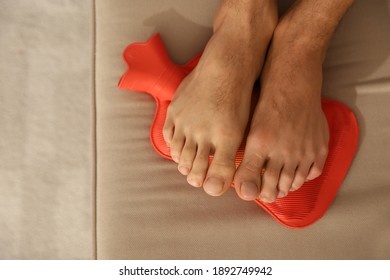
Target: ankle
<point>225,57</point>
<point>242,35</point>
<point>246,20</point>
<point>247,17</point>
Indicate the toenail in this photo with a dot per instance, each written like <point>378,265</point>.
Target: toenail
<point>175,159</point>
<point>184,170</point>
<point>249,190</point>
<point>213,186</point>
<point>266,199</point>
<point>294,188</point>
<point>194,182</point>
<point>281,194</point>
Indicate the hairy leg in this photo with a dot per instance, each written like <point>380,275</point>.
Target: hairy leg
<point>210,110</point>
<point>289,133</point>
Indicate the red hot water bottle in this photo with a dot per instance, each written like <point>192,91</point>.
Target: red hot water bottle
<point>150,70</point>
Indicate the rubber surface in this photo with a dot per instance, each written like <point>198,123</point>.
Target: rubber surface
<point>152,71</point>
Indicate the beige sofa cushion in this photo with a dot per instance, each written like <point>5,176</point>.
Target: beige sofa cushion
<point>145,208</point>
<point>45,136</point>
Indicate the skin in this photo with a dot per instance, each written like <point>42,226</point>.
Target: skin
<point>288,135</point>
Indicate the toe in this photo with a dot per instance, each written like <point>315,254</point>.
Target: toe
<point>314,172</point>
<point>248,190</point>
<point>247,178</point>
<point>316,169</point>
<point>187,157</point>
<point>300,175</point>
<point>168,130</point>
<point>286,178</point>
<point>270,180</point>
<point>177,145</point>
<point>199,167</point>
<point>221,171</point>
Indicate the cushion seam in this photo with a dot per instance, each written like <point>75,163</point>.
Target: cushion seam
<point>93,132</point>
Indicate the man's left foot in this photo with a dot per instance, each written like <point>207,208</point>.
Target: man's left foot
<point>289,134</point>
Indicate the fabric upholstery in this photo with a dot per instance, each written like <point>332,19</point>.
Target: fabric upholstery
<point>145,208</point>
<point>45,129</point>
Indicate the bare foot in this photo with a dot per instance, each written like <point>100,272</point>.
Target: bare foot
<point>289,132</point>
<point>210,110</point>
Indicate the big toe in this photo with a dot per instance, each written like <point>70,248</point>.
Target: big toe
<point>221,171</point>
<point>248,190</point>
<point>247,178</point>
